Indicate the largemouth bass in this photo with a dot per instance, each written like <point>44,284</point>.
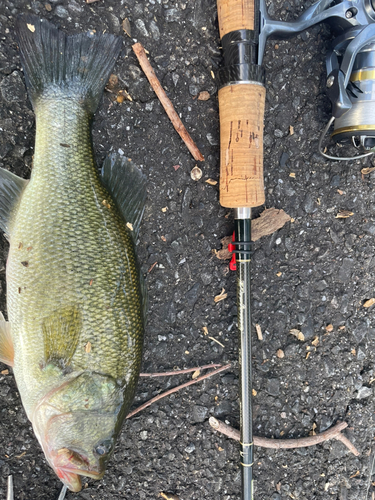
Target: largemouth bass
<point>75,300</point>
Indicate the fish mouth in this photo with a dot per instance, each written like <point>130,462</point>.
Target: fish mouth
<point>70,465</point>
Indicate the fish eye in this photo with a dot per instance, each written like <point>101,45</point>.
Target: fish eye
<point>103,448</point>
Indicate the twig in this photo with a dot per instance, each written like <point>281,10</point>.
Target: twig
<point>348,444</point>
<point>166,103</point>
<point>175,389</point>
<point>332,433</point>
<point>178,372</point>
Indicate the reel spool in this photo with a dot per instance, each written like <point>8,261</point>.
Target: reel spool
<point>357,125</point>
<point>350,66</point>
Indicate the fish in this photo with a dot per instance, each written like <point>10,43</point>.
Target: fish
<point>76,299</point>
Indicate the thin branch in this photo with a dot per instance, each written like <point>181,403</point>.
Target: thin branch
<point>178,372</point>
<point>175,389</point>
<point>332,433</point>
<point>166,103</point>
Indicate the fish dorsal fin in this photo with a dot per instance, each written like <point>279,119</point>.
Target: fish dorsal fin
<point>6,342</point>
<point>61,333</point>
<point>127,186</point>
<point>11,188</point>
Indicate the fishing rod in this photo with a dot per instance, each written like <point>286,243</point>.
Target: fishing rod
<point>241,105</point>
<point>244,27</point>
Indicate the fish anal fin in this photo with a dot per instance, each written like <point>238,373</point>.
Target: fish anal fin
<point>6,343</point>
<point>61,333</point>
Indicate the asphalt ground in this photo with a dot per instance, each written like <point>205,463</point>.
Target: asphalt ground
<point>313,275</point>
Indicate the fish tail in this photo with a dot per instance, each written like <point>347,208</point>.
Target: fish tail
<point>78,65</point>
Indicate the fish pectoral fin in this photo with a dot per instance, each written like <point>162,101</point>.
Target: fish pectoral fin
<point>11,188</point>
<point>127,186</point>
<point>61,333</point>
<point>6,342</point>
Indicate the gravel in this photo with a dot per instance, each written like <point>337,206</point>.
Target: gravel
<point>316,271</point>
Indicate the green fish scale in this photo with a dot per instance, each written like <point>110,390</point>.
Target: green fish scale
<point>70,249</point>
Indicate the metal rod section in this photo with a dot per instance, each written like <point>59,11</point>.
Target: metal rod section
<point>10,488</point>
<point>243,256</point>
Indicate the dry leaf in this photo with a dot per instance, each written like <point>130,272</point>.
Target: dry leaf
<point>315,342</point>
<point>280,353</point>
<point>292,174</point>
<point>129,225</point>
<point>48,7</point>
<point>196,173</point>
<point>355,475</point>
<point>204,96</point>
<point>329,328</point>
<point>353,351</point>
<point>220,297</point>
<point>291,130</point>
<point>369,303</point>
<point>126,27</point>
<point>88,347</point>
<point>112,82</point>
<point>164,209</point>
<point>367,170</point>
<point>169,496</point>
<point>298,334</point>
<point>5,372</point>
<point>279,274</point>
<point>163,238</point>
<point>196,374</point>
<point>211,182</point>
<point>340,192</point>
<point>344,214</point>
<point>254,392</point>
<point>224,253</point>
<point>259,332</point>
<point>308,355</point>
<point>31,27</point>
<point>205,330</point>
<point>122,95</point>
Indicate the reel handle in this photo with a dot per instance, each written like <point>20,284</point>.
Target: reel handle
<point>241,109</point>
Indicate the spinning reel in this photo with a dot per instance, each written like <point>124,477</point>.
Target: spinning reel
<point>350,66</point>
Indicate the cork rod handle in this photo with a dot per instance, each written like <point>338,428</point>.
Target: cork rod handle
<point>235,15</point>
<point>241,107</point>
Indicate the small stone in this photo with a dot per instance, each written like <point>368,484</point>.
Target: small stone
<point>273,386</point>
<point>193,89</point>
<point>345,271</point>
<point>369,228</point>
<point>12,88</point>
<point>141,27</point>
<point>206,278</point>
<point>190,448</point>
<point>199,413</point>
<point>309,204</point>
<point>61,12</point>
<point>172,15</point>
<point>154,30</point>
<point>278,133</point>
<point>364,392</point>
<point>360,331</point>
<point>143,435</point>
<point>283,160</point>
<point>361,353</point>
